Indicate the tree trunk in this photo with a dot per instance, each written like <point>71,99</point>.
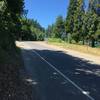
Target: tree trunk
<point>93,42</point>
<point>83,41</point>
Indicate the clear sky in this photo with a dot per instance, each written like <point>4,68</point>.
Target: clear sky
<point>46,11</point>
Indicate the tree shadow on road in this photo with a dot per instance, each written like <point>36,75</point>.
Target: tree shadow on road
<point>83,72</point>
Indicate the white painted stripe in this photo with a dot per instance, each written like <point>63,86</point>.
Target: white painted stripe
<point>74,84</point>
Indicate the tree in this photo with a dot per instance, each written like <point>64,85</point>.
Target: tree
<point>69,25</point>
<point>9,18</point>
<point>59,27</point>
<point>49,31</point>
<point>31,30</point>
<point>92,22</point>
<point>78,21</point>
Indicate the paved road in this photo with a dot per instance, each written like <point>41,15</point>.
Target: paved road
<point>58,76</point>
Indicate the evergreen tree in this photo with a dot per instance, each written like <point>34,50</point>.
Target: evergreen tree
<point>49,31</point>
<point>59,27</point>
<point>31,30</point>
<point>69,25</point>
<point>9,18</point>
<point>92,23</point>
<point>78,21</point>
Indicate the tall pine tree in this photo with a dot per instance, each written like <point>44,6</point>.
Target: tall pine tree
<point>59,27</point>
<point>70,16</point>
<point>78,21</point>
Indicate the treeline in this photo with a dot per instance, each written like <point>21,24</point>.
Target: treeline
<point>81,26</point>
<point>10,14</point>
<point>15,26</point>
<point>31,30</point>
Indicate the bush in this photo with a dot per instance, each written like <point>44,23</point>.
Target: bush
<point>58,40</point>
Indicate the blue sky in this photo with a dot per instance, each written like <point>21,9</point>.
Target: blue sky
<point>46,11</point>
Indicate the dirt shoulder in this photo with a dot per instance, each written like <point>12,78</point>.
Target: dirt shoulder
<point>12,86</point>
<point>91,58</point>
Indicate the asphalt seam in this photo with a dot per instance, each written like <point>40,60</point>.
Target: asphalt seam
<point>74,84</point>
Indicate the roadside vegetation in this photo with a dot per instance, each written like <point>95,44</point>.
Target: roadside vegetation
<point>77,47</point>
<point>31,30</point>
<point>11,12</point>
<point>81,26</point>
<point>14,25</point>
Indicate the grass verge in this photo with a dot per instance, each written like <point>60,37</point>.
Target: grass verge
<point>76,47</point>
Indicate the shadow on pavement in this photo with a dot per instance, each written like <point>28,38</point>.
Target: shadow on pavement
<point>85,74</point>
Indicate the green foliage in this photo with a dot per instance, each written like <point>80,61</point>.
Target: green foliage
<point>78,20</point>
<point>55,40</point>
<point>82,26</point>
<point>9,19</point>
<point>49,31</point>
<point>15,6</point>
<point>57,29</point>
<point>31,30</point>
<point>10,25</point>
<point>69,25</point>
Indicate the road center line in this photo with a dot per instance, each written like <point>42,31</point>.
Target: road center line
<point>74,84</point>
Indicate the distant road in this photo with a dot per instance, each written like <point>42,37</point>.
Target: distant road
<point>59,76</point>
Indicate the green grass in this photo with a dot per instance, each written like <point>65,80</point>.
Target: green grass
<point>56,40</point>
<point>76,47</point>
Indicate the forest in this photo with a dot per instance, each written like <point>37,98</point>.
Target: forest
<point>15,26</point>
<point>81,25</point>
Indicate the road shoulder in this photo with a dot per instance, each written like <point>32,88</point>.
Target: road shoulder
<point>91,58</point>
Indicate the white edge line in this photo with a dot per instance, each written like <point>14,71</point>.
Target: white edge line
<point>74,84</point>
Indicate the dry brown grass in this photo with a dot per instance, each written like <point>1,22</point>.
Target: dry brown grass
<point>80,48</point>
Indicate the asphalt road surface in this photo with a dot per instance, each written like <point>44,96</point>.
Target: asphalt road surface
<point>59,76</point>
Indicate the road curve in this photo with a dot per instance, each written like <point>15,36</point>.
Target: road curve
<point>59,76</point>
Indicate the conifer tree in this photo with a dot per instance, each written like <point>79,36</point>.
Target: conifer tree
<point>70,16</point>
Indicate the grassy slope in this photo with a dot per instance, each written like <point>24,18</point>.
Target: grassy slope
<point>80,48</point>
